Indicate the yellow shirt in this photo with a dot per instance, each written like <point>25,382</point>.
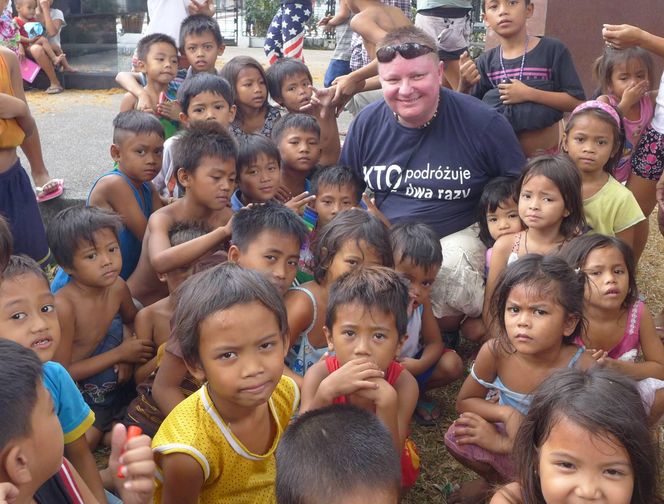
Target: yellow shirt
<point>233,475</point>
<point>612,209</point>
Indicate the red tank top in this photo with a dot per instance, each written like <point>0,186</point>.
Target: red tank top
<point>391,375</point>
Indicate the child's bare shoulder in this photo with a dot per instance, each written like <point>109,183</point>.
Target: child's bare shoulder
<point>489,359</point>
<point>67,294</point>
<point>297,293</point>
<point>509,494</point>
<point>118,290</point>
<point>156,312</point>
<point>166,216</point>
<point>584,360</point>
<point>505,243</point>
<point>314,287</point>
<point>112,191</point>
<point>147,315</point>
<point>128,102</point>
<point>65,300</point>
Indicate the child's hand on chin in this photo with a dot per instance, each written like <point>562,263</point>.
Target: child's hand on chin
<point>383,394</point>
<point>137,487</point>
<point>355,375</point>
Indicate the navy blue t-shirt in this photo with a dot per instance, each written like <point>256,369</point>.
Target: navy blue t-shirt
<point>433,175</point>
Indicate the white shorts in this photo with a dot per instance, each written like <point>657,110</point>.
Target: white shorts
<point>452,34</point>
<point>459,286</point>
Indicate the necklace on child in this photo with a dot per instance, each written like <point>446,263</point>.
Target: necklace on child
<point>523,61</point>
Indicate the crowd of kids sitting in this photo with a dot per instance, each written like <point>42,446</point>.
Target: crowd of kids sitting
<point>236,294</point>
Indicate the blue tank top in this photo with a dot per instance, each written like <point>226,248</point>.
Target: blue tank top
<point>507,397</point>
<point>303,354</point>
<point>130,245</point>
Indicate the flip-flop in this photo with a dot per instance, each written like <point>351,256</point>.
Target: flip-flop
<point>429,408</point>
<point>54,90</point>
<point>451,339</point>
<point>59,189</point>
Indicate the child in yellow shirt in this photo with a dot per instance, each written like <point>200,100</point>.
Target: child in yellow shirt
<point>218,444</point>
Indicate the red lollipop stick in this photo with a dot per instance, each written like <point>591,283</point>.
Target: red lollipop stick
<point>132,432</point>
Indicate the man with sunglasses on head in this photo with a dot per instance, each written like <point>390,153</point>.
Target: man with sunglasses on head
<point>372,20</point>
<point>427,152</point>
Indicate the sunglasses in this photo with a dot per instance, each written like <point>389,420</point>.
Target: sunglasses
<point>407,50</point>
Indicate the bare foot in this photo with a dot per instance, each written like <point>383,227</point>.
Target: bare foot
<point>66,67</point>
<point>49,187</point>
<point>472,492</point>
<point>42,179</point>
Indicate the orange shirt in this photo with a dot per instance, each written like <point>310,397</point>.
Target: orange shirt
<point>11,134</point>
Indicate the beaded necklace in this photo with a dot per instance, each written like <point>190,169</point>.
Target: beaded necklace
<point>523,61</point>
<point>426,124</point>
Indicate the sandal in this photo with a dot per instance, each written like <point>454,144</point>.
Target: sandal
<point>426,413</point>
<point>451,339</point>
<point>54,90</point>
<point>53,193</point>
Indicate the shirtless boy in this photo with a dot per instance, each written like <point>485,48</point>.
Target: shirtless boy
<point>94,348</point>
<point>205,159</point>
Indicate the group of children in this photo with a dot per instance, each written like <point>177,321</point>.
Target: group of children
<point>35,33</point>
<point>226,276</point>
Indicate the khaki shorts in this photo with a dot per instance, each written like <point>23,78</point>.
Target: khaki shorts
<point>459,286</point>
<point>452,34</point>
<point>361,100</point>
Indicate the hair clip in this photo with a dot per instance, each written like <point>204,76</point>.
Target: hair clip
<point>577,270</point>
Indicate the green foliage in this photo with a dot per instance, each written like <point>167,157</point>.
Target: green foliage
<point>259,15</point>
